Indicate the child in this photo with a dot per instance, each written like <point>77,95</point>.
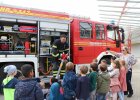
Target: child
<point>54,89</point>
<point>110,68</point>
<point>93,80</point>
<point>69,82</point>
<point>95,60</point>
<point>9,82</point>
<point>83,84</point>
<point>19,75</point>
<point>103,82</point>
<point>115,83</point>
<point>122,79</point>
<point>28,88</point>
<point>103,62</point>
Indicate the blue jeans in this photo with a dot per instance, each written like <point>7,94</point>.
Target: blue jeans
<point>101,96</point>
<point>121,95</point>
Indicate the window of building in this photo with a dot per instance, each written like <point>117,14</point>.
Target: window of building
<point>85,30</point>
<point>100,33</point>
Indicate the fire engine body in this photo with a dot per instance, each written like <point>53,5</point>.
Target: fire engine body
<point>38,29</point>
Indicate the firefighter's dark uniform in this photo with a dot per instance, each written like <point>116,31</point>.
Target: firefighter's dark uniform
<point>57,49</point>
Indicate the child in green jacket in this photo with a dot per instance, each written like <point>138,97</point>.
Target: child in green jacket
<point>93,79</point>
<point>9,82</point>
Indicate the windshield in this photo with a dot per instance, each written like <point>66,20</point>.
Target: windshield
<point>111,34</point>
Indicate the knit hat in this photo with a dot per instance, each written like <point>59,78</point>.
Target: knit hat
<point>9,69</point>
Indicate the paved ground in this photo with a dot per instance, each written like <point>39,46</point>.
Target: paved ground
<point>135,83</point>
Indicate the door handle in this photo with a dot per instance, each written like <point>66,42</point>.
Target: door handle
<point>80,48</point>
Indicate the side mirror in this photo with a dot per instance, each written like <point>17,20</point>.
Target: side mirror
<point>117,43</point>
<point>123,35</point>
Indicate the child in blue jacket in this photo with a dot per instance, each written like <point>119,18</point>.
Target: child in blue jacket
<point>54,90</point>
<point>83,84</point>
<point>28,88</point>
<point>69,82</point>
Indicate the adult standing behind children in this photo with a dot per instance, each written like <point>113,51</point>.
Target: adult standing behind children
<point>69,82</point>
<point>93,79</point>
<point>9,82</point>
<point>83,84</point>
<point>28,88</point>
<point>130,60</point>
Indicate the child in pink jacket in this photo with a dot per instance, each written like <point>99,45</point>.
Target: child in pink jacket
<point>122,79</point>
<point>115,83</point>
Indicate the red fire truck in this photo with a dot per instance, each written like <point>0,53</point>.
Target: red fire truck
<point>26,36</point>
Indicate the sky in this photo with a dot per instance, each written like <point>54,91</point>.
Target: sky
<point>83,8</point>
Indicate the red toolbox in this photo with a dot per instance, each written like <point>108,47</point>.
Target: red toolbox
<point>4,46</point>
<point>28,29</point>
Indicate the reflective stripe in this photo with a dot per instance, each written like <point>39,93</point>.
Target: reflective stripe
<point>63,71</point>
<point>54,75</point>
<point>63,50</point>
<point>66,49</point>
<point>55,71</point>
<point>54,46</point>
<point>55,55</point>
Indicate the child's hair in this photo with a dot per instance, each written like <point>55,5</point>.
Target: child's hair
<point>127,49</point>
<point>83,69</point>
<point>94,66</point>
<point>122,62</point>
<point>69,66</point>
<point>104,61</point>
<point>113,57</point>
<point>19,75</point>
<point>117,64</point>
<point>63,35</point>
<point>103,68</point>
<point>95,60</point>
<point>53,79</point>
<point>26,69</point>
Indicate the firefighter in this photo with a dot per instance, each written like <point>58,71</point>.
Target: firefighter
<point>59,46</point>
